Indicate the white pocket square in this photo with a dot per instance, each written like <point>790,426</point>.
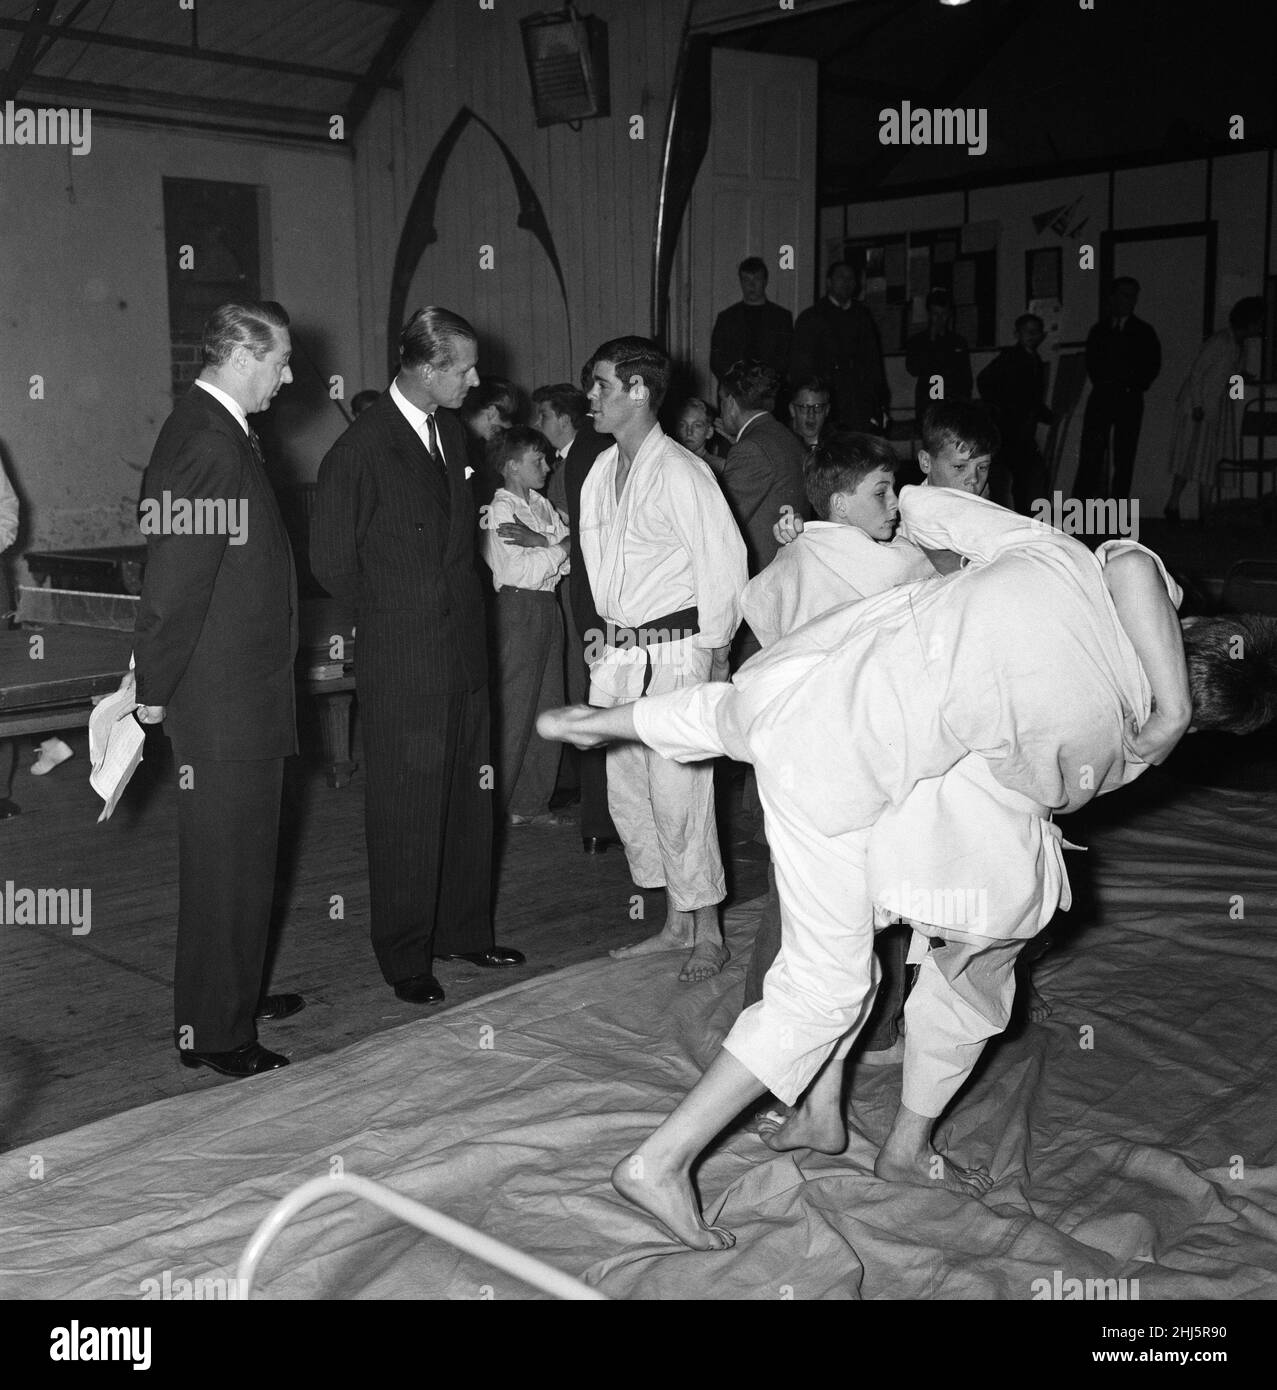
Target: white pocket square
<point>469,472</point>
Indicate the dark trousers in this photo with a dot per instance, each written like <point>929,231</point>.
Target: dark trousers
<point>227,836</point>
<point>8,757</point>
<point>891,945</point>
<point>428,820</point>
<point>1115,412</point>
<point>529,680</point>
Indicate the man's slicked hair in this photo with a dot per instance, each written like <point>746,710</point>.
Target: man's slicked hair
<point>430,338</point>
<point>841,464</point>
<point>752,265</point>
<point>563,399</point>
<point>964,424</point>
<point>250,325</point>
<point>633,356</point>
<point>752,385</point>
<point>1232,671</point>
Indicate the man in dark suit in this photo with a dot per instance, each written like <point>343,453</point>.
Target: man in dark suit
<point>597,829</point>
<point>394,530</point>
<point>1123,358</point>
<point>939,358</point>
<point>763,474</point>
<point>754,329</point>
<point>838,340</point>
<point>214,643</point>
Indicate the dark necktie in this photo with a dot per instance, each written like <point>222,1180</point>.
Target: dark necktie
<point>432,439</point>
<point>255,440</point>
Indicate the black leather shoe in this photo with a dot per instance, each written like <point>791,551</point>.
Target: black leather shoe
<point>594,844</point>
<point>279,1006</point>
<point>419,989</point>
<point>9,809</point>
<point>248,1060</point>
<point>494,958</point>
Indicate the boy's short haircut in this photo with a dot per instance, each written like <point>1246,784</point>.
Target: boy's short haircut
<point>696,403</point>
<point>752,385</point>
<point>1028,318</point>
<point>964,424</point>
<point>841,464</point>
<point>1232,671</point>
<point>633,356</point>
<point>515,442</point>
<point>563,399</point>
<point>817,385</point>
<point>752,265</point>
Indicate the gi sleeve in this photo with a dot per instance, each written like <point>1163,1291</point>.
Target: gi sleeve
<point>8,512</point>
<point>700,517</point>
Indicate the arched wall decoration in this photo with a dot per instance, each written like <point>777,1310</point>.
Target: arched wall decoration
<point>687,134</point>
<point>420,232</point>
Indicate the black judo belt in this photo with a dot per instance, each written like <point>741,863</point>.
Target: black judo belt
<point>673,627</point>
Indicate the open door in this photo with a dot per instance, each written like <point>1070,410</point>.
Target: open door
<point>755,193</point>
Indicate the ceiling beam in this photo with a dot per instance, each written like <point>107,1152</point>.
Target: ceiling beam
<point>379,70</point>
<point>89,92</point>
<point>27,55</point>
<point>98,38</point>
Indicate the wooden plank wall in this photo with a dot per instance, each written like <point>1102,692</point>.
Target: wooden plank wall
<point>597,185</point>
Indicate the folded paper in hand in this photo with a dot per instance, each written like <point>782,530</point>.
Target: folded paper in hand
<point>115,743</point>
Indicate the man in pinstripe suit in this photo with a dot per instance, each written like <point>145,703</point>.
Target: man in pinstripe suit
<point>393,529</point>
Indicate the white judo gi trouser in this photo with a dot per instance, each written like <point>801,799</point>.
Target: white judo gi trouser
<point>820,989</point>
<point>664,810</point>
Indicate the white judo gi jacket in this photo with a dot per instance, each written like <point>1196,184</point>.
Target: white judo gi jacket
<point>671,542</point>
<point>856,716</point>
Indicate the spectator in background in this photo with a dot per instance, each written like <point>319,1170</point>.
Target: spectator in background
<point>695,432</point>
<point>938,357</point>
<point>360,402</point>
<point>837,339</point>
<point>763,474</point>
<point>1205,414</point>
<point>755,329</point>
<point>558,412</point>
<point>809,411</point>
<point>525,543</point>
<point>1013,386</point>
<point>1123,358</point>
<point>489,409</point>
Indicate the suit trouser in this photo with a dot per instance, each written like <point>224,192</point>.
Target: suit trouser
<point>529,632</point>
<point>428,821</point>
<point>227,837</point>
<point>8,760</point>
<point>1115,411</point>
<point>961,998</point>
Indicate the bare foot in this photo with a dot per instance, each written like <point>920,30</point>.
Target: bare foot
<point>664,940</point>
<point>668,1197</point>
<point>706,960</point>
<point>1037,1008</point>
<point>768,1118</point>
<point>931,1169</point>
<point>825,1132</point>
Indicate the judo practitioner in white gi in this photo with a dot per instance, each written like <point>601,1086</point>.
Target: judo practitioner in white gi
<point>1065,674</point>
<point>666,565</point>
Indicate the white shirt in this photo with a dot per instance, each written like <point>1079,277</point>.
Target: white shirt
<point>524,567</point>
<point>229,402</point>
<point>669,543</point>
<point>418,419</point>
